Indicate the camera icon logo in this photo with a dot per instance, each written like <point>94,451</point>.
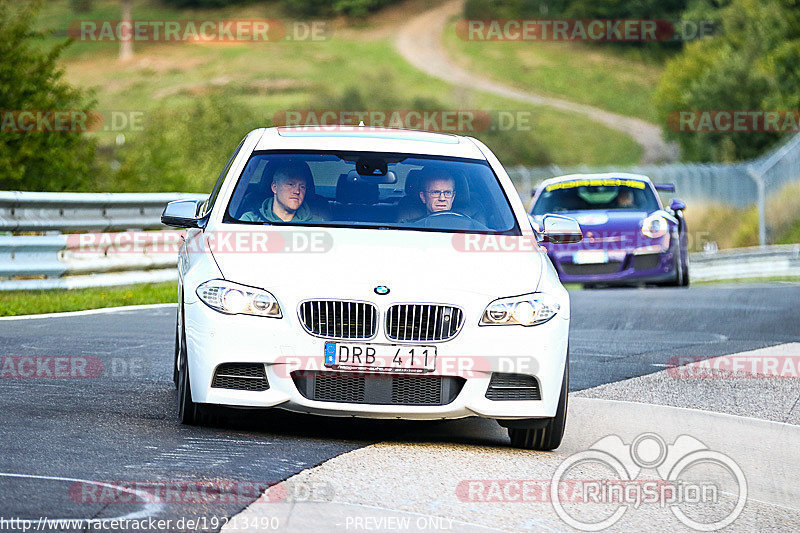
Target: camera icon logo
<point>688,475</point>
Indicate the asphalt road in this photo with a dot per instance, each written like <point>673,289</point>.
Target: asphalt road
<point>120,427</point>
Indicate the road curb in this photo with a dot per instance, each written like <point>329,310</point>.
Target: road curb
<point>378,470</point>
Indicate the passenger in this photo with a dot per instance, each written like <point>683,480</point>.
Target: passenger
<point>286,205</point>
<point>437,192</point>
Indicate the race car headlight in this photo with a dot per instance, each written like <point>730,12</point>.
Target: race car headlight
<point>525,310</point>
<point>654,226</point>
<point>234,299</point>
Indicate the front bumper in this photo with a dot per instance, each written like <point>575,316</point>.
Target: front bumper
<point>652,263</point>
<point>283,346</point>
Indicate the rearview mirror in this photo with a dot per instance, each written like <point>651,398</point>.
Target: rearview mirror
<point>182,214</point>
<point>560,230</point>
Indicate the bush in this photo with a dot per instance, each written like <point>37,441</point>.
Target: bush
<point>81,6</point>
<point>184,150</point>
<point>328,8</point>
<point>750,65</point>
<point>31,80</point>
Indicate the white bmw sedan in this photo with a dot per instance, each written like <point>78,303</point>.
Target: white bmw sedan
<point>377,273</point>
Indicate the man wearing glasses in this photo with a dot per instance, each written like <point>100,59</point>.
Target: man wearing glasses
<point>437,193</point>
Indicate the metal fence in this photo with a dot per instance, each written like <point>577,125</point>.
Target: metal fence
<point>738,184</point>
<point>68,212</point>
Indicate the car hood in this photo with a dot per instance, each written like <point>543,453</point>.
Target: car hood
<point>350,263</point>
<point>613,220</point>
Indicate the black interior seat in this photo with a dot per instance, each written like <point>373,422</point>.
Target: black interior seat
<point>410,207</point>
<point>357,199</point>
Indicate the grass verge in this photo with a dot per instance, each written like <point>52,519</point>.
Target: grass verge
<point>769,279</point>
<point>265,78</point>
<point>15,303</point>
<point>589,74</point>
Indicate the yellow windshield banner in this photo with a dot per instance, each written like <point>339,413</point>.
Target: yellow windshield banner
<point>609,182</point>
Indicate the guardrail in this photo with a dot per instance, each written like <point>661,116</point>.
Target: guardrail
<point>741,263</point>
<point>63,261</point>
<point>55,261</point>
<point>69,212</point>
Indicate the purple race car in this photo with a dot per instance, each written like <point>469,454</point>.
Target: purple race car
<point>629,238</point>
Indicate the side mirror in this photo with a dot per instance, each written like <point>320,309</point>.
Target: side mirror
<point>560,230</point>
<point>677,205</point>
<point>534,224</point>
<point>181,214</point>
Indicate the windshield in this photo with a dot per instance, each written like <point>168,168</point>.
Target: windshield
<point>366,189</point>
<point>582,195</point>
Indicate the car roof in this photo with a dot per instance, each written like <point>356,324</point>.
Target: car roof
<point>600,176</point>
<point>363,138</point>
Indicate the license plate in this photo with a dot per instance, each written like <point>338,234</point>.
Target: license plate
<point>590,257</point>
<point>380,357</point>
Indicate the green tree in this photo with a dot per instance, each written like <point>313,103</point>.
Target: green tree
<point>751,64</point>
<point>184,148</point>
<point>31,80</point>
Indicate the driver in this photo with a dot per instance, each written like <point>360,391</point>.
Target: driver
<point>625,198</point>
<point>289,189</point>
<point>437,192</point>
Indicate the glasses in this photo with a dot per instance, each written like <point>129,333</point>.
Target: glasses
<point>437,193</point>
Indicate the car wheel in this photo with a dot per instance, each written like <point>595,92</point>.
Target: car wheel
<point>677,281</point>
<point>685,270</point>
<point>547,437</point>
<point>188,411</point>
<point>177,347</point>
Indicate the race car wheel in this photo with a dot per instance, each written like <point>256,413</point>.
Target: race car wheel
<point>685,270</point>
<point>548,437</point>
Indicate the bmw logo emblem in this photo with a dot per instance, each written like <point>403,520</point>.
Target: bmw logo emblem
<point>382,290</point>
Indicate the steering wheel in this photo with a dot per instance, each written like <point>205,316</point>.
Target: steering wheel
<point>452,220</point>
<point>447,214</point>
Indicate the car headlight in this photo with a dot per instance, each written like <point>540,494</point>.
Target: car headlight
<point>654,226</point>
<point>235,299</point>
<point>525,310</point>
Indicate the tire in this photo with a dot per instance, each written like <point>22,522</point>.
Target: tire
<point>685,269</point>
<point>549,436</point>
<point>678,280</point>
<point>177,347</point>
<point>189,412</point>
